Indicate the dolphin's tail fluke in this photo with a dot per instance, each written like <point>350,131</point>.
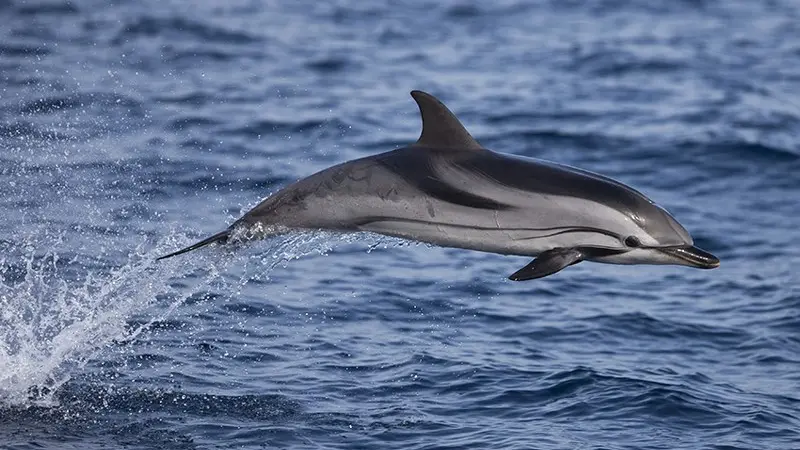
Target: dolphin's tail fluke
<point>221,237</point>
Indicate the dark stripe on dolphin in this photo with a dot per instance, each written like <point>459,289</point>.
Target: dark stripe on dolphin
<point>440,190</point>
<point>414,164</point>
<point>364,221</point>
<point>540,177</point>
<point>416,169</point>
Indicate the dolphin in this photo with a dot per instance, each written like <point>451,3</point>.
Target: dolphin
<point>446,189</point>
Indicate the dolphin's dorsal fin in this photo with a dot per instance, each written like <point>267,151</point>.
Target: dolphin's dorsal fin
<point>440,127</point>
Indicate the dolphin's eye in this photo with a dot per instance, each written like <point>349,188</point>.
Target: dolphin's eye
<point>632,241</point>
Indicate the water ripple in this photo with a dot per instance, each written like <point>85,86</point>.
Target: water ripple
<point>182,28</point>
<point>131,129</point>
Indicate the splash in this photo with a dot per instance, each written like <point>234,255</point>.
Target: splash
<point>58,312</point>
<point>261,259</point>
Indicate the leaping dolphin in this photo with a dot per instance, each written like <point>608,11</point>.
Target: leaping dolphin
<point>448,190</point>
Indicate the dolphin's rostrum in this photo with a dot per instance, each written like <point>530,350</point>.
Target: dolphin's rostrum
<point>447,189</point>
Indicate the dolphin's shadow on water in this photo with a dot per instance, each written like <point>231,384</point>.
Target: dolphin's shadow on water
<point>448,190</point>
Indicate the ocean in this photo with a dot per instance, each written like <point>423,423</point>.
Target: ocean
<point>131,129</point>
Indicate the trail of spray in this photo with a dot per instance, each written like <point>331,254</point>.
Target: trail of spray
<point>56,315</point>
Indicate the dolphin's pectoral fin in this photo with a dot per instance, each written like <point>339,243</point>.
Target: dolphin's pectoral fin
<point>548,263</point>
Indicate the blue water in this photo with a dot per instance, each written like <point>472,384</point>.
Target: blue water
<point>130,129</point>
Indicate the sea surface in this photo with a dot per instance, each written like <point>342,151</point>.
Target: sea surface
<point>131,129</point>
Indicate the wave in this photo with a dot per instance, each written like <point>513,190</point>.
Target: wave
<point>754,151</point>
<point>185,123</point>
<point>84,101</point>
<point>635,326</point>
<point>184,28</point>
<point>616,63</point>
<point>42,8</point>
<point>268,127</point>
<point>21,130</point>
<point>22,50</point>
<point>136,417</point>
<point>330,65</point>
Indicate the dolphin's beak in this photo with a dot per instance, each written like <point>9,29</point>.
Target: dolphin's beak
<point>692,256</point>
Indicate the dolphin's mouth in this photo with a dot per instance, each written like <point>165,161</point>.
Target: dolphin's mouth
<point>693,256</point>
